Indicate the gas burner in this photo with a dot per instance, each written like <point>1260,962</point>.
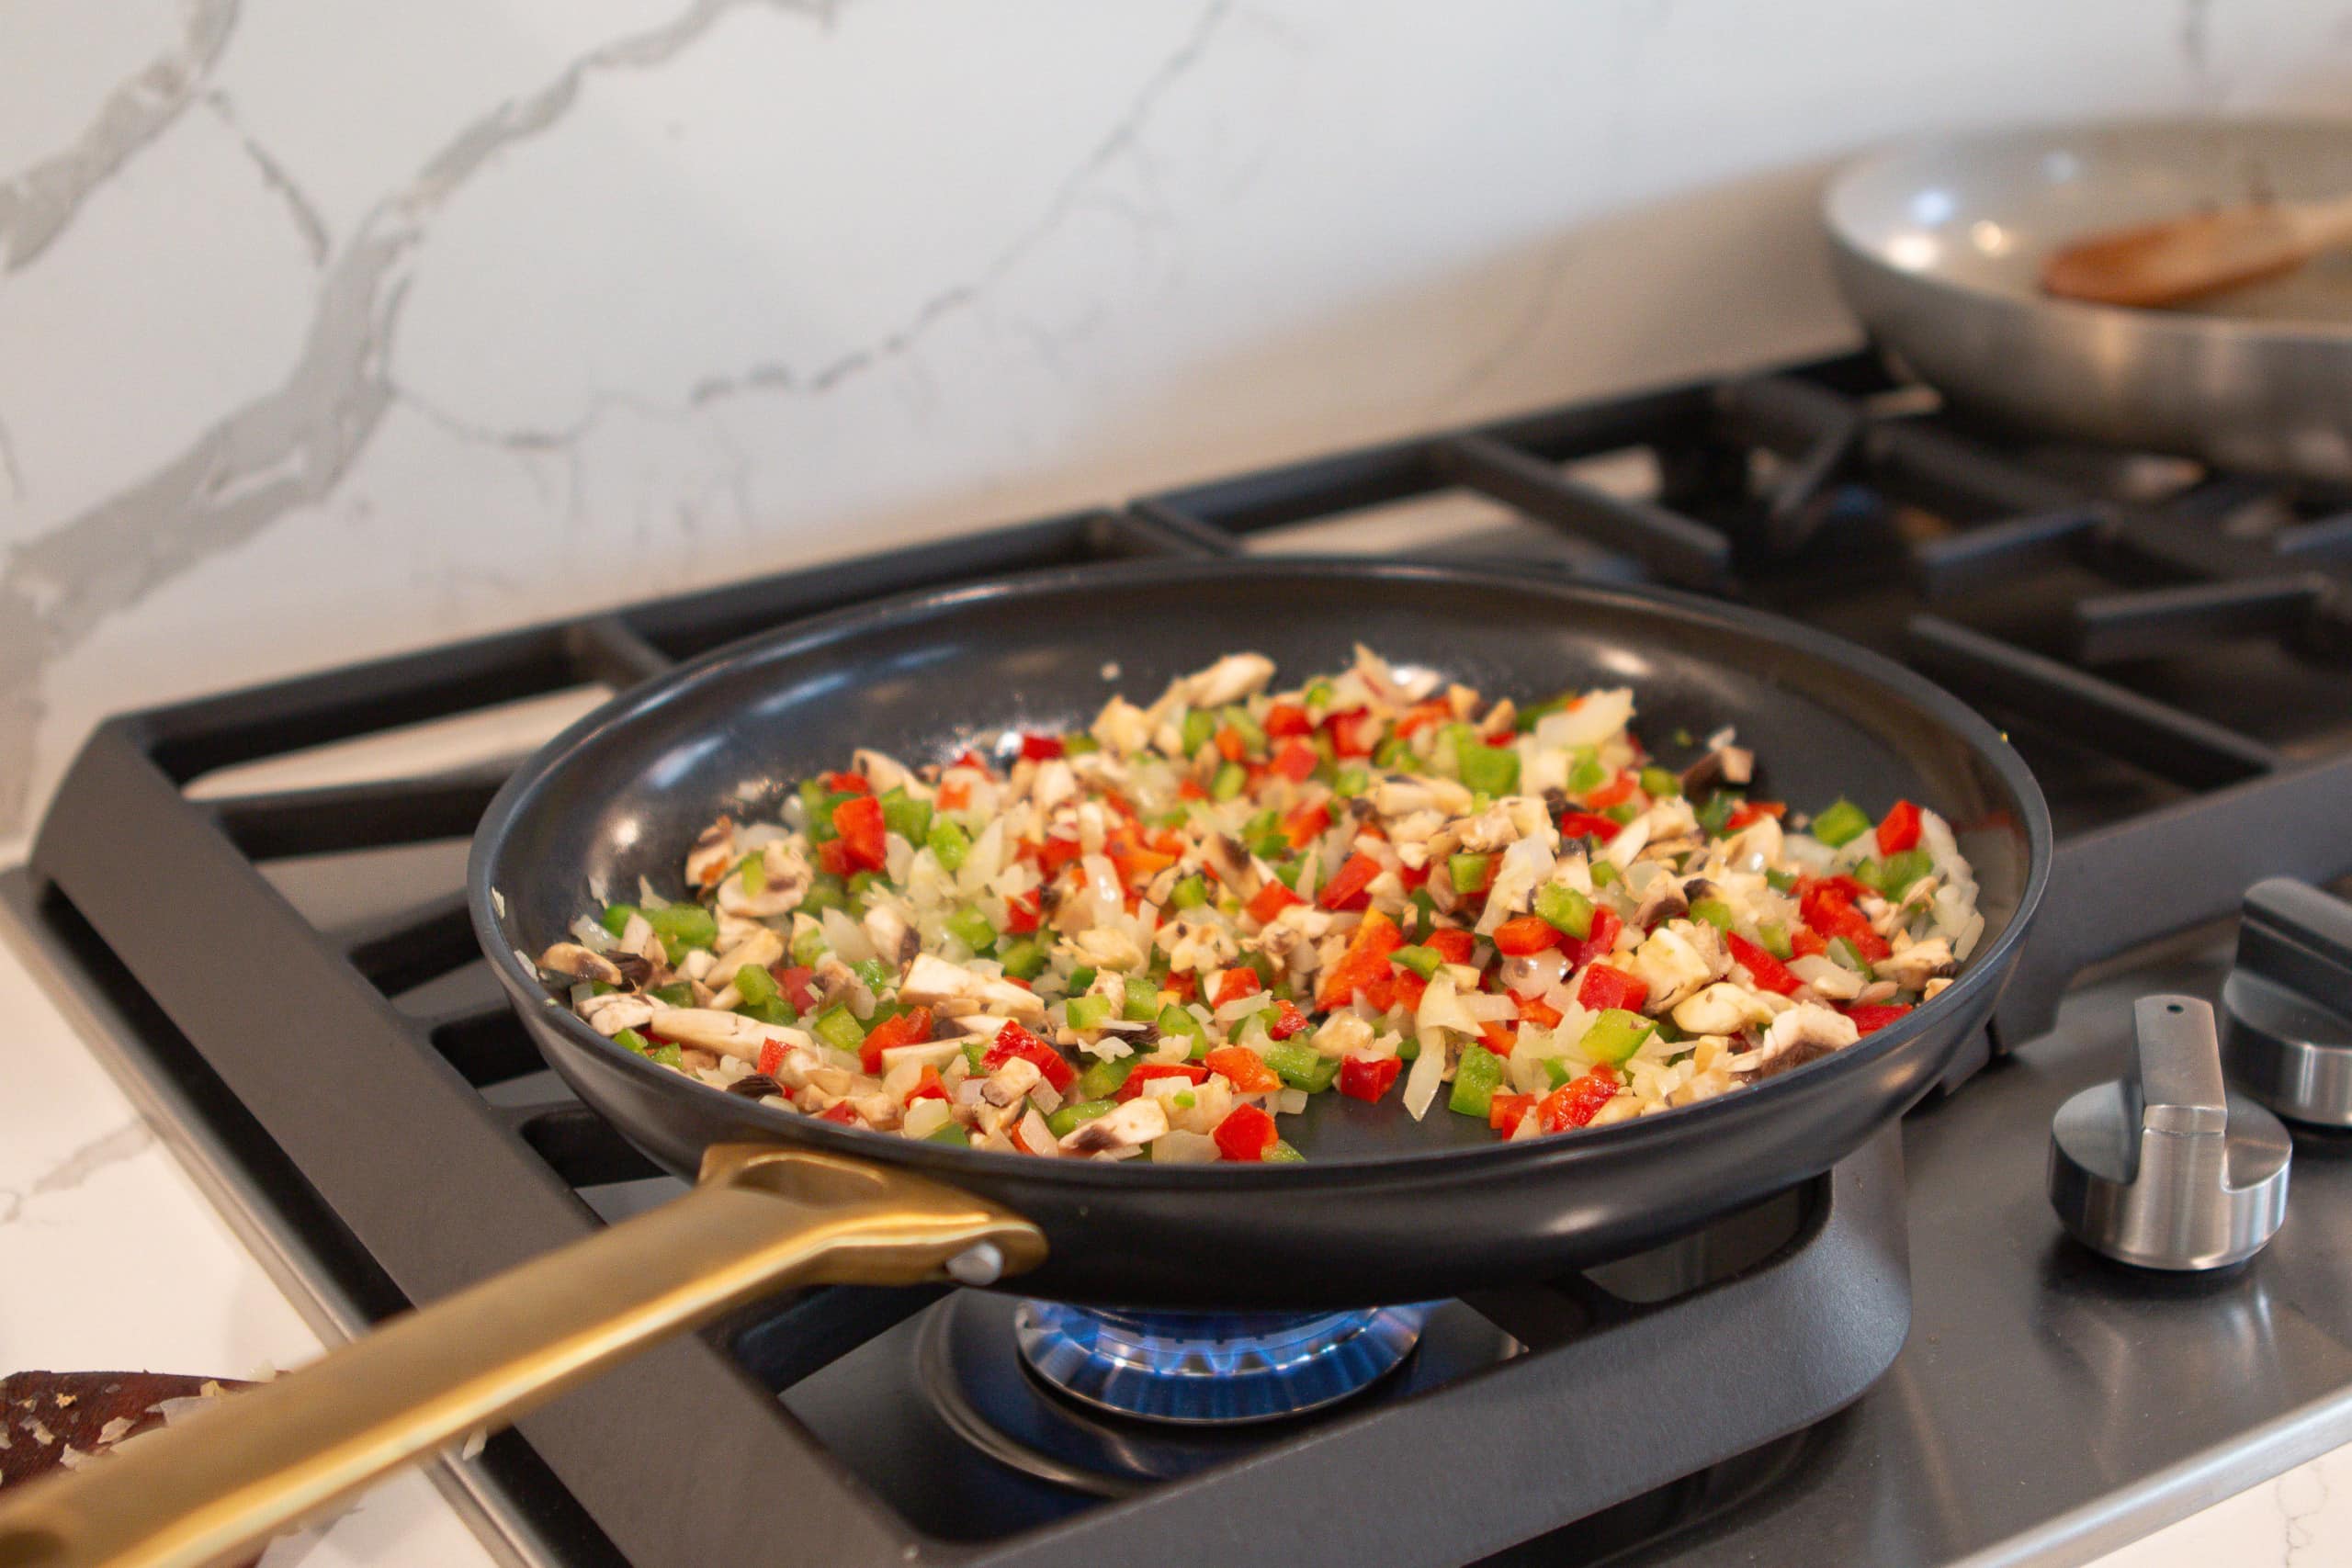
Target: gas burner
<point>1205,1367</point>
<point>980,1365</point>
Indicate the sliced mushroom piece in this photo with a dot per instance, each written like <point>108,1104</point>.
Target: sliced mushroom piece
<point>931,981</point>
<point>1052,783</point>
<point>712,853</point>
<point>886,772</point>
<point>1665,901</point>
<point>1719,1009</point>
<point>1136,1122</point>
<point>1935,988</point>
<point>1677,959</point>
<point>1223,854</point>
<point>1014,1002</point>
<point>572,961</point>
<point>1826,976</point>
<point>1011,1081</point>
<point>1500,719</point>
<point>728,1033</point>
<point>1912,967</point>
<point>786,880</point>
<point>896,941</point>
<point>1806,1033</point>
<point>760,949</point>
<point>616,1011</point>
<point>1721,766</point>
<point>836,982</point>
<point>1122,727</point>
<point>755,1086</point>
<point>1230,679</point>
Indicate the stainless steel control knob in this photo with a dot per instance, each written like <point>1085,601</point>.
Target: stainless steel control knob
<point>2164,1167</point>
<point>2286,1008</point>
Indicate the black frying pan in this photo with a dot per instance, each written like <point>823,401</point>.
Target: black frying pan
<point>1384,1210</point>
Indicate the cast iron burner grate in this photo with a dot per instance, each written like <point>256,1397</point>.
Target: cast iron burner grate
<point>387,1130</point>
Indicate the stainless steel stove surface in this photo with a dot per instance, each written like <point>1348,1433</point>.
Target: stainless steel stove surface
<point>2169,649</point>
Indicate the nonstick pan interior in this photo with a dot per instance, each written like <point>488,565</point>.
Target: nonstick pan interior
<point>1386,1209</point>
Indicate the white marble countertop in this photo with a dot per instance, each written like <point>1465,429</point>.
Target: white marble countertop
<point>110,1258</point>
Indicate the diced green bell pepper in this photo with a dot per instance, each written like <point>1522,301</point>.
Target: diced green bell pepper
<point>876,973</point>
<point>1658,784</point>
<point>904,815</point>
<point>810,948</point>
<point>677,993</point>
<point>1564,910</point>
<point>972,929</point>
<point>826,891</point>
<point>753,870</point>
<point>1300,1067</point>
<point>1409,1049</point>
<point>1897,873</point>
<point>1623,812</point>
<point>1391,751</point>
<point>1319,693</point>
<point>1715,911</point>
<point>1087,1012</point>
<point>1199,729</point>
<point>1605,873</point>
<point>617,916</point>
<point>860,883</point>
<point>1024,960</point>
<point>1421,961</point>
<point>1557,1068</point>
<point>1176,1018</point>
<point>1101,1081</point>
<point>950,1132</point>
<point>838,1028</point>
<point>1846,954</point>
<point>1468,873</point>
<point>1615,1035</point>
<point>634,1041</point>
<point>1080,979</point>
<point>1270,846</point>
<point>1586,772</point>
<point>1841,824</point>
<point>1715,815</point>
<point>1282,1154</point>
<point>1489,770</point>
<point>975,1052</point>
<point>776,1010</point>
<point>1475,1078</point>
<point>668,1056</point>
<point>1068,1119</point>
<point>754,985</point>
<point>1142,1001</point>
<point>1228,782</point>
<point>948,844</point>
<point>1781,881</point>
<point>1351,780</point>
<point>1773,937</point>
<point>683,926</point>
<point>1252,737</point>
<point>1190,892</point>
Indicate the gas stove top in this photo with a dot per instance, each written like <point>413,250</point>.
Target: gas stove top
<point>1899,1363</point>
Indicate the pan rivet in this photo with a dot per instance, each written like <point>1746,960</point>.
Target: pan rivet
<point>981,1265</point>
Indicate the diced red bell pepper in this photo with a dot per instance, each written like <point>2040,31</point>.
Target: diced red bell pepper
<point>1452,943</point>
<point>1191,1072</point>
<point>1014,1041</point>
<point>1270,901</point>
<point>1616,792</point>
<point>1352,733</point>
<point>1587,825</point>
<point>1423,714</point>
<point>1284,719</point>
<point>1368,1078</point>
<point>1345,888</point>
<point>1244,1068</point>
<point>1604,986</point>
<point>1579,1100</point>
<point>1404,989</point>
<point>792,980</point>
<point>849,784</point>
<point>1364,962</point>
<point>859,822</point>
<point>1747,813</point>
<point>1056,853</point>
<point>1496,1037</point>
<point>1040,747</point>
<point>969,758</point>
<point>1827,907</point>
<point>840,1112</point>
<point>1538,1011</point>
<point>1870,1017</point>
<point>1246,1134</point>
<point>833,856</point>
<point>1229,744</point>
<point>1235,984</point>
<point>1382,992</point>
<point>1183,983</point>
<point>1021,912</point>
<point>1770,973</point>
<point>772,1058</point>
<point>1307,823</point>
<point>910,1027</point>
<point>1288,1020</point>
<point>955,795</point>
<point>1806,942</point>
<point>1296,760</point>
<point>1606,925</point>
<point>1135,864</point>
<point>1899,829</point>
<point>1191,789</point>
<point>1525,934</point>
<point>928,1087</point>
<point>1504,1112</point>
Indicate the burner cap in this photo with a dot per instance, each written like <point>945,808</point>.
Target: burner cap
<point>2287,1007</point>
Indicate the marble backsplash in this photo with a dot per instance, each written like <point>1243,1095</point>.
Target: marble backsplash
<point>330,328</point>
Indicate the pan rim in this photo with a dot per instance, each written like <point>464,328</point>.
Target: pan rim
<point>2185,326</point>
<point>1986,972</point>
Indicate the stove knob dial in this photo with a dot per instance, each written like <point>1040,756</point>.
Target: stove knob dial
<point>2166,1168</point>
<point>2286,1008</point>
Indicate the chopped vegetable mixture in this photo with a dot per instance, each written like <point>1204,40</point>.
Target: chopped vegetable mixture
<point>1159,936</point>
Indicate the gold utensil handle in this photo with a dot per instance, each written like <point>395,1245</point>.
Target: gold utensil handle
<point>761,1218</point>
